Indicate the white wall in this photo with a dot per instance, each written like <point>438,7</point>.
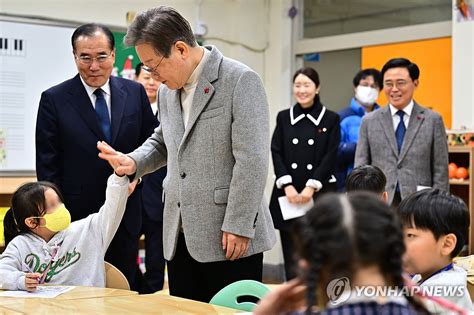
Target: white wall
<point>255,32</point>
<point>463,73</point>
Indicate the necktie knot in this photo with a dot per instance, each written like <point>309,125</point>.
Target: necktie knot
<point>401,114</point>
<point>99,93</point>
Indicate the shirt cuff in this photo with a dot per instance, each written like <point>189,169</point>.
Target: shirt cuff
<point>313,183</point>
<point>118,180</point>
<point>284,180</point>
<point>21,283</point>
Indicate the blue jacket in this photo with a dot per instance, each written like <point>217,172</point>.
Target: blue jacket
<point>350,120</point>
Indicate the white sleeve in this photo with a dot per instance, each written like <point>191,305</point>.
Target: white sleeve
<point>11,276</point>
<point>106,222</point>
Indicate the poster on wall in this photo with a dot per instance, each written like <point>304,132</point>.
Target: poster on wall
<point>32,58</point>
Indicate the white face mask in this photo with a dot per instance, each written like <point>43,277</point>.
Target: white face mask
<point>366,95</point>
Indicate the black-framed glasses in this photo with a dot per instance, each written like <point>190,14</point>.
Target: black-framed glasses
<point>153,71</point>
<point>87,60</point>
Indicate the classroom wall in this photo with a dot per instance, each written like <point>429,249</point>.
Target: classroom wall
<point>433,57</point>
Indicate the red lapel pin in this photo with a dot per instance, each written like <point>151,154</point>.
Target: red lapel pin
<point>206,90</point>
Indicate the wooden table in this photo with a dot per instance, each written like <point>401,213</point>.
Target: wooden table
<point>111,302</point>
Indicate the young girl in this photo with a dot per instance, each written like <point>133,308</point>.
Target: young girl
<point>353,238</point>
<point>43,246</point>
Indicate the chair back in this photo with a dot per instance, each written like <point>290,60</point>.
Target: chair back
<point>229,296</point>
<point>114,278</point>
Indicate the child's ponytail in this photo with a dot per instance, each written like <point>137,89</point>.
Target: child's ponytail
<point>10,226</point>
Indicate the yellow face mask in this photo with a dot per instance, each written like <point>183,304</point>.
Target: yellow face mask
<point>58,220</point>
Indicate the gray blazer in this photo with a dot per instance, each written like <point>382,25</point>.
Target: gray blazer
<point>217,167</point>
<point>423,159</point>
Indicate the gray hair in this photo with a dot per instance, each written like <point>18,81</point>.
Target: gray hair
<point>160,27</point>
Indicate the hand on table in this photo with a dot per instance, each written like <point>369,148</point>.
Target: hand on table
<point>31,281</point>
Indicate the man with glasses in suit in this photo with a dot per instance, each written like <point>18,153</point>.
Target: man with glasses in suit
<point>214,139</point>
<point>405,140</point>
<point>73,116</point>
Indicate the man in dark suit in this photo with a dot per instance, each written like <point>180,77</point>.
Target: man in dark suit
<point>73,116</point>
<point>152,197</point>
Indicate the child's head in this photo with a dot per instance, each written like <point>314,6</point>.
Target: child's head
<point>435,226</point>
<point>367,178</point>
<point>30,202</point>
<point>345,233</point>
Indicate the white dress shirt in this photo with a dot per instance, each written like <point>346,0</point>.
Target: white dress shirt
<point>406,118</point>
<point>106,88</point>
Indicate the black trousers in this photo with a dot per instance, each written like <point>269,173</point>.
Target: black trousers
<point>193,280</point>
<point>122,253</point>
<point>154,260</point>
<point>288,254</point>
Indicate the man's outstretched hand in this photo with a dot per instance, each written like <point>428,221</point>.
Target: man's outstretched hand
<point>122,164</point>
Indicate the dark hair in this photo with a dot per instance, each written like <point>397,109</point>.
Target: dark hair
<point>412,68</point>
<point>310,73</point>
<point>343,232</point>
<point>160,27</point>
<point>368,178</point>
<point>89,30</point>
<point>371,72</point>
<point>27,201</point>
<point>437,211</point>
<point>138,69</point>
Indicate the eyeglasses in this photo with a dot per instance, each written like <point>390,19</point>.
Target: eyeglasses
<point>400,84</point>
<point>87,60</point>
<point>153,71</point>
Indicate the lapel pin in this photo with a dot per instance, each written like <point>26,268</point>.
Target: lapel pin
<point>418,117</point>
<point>206,90</point>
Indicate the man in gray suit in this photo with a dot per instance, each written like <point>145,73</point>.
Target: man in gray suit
<point>214,139</point>
<point>404,139</point>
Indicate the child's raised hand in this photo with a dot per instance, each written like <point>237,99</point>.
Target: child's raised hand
<point>31,281</point>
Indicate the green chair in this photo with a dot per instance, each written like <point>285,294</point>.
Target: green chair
<point>229,295</point>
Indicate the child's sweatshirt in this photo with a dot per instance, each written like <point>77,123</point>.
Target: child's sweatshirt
<point>81,247</point>
<point>454,280</point>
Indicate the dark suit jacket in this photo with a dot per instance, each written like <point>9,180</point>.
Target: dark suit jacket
<point>67,131</point>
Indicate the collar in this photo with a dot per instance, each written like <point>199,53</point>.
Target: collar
<point>154,107</point>
<point>193,79</point>
<point>296,114</point>
<point>447,268</point>
<point>358,109</point>
<point>90,90</point>
<point>408,109</point>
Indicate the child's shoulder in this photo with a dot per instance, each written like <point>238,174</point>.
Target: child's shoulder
<point>452,277</point>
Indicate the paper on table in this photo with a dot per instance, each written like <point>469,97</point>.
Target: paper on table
<point>43,291</point>
<point>293,210</point>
